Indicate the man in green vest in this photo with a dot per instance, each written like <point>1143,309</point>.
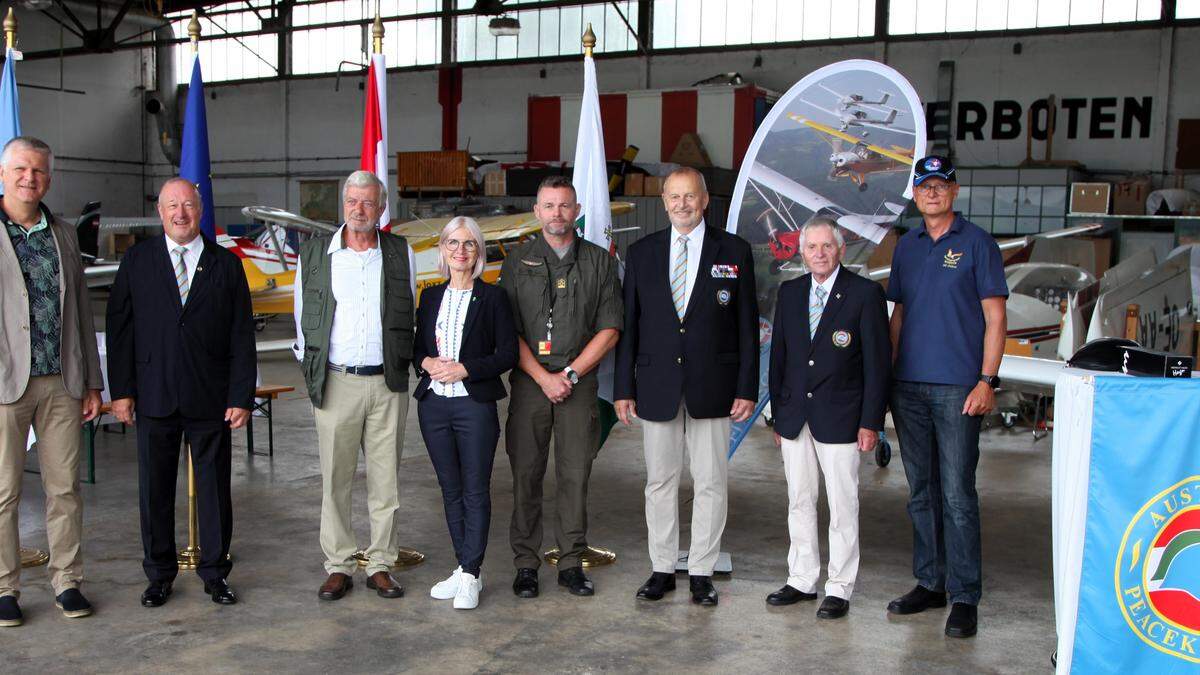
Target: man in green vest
<point>354,335</point>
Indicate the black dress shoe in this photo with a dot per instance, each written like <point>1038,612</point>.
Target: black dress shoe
<point>156,594</point>
<point>962,621</point>
<point>526,583</point>
<point>789,596</point>
<point>703,592</point>
<point>833,607</point>
<point>656,586</point>
<point>918,599</point>
<point>576,581</point>
<point>220,591</point>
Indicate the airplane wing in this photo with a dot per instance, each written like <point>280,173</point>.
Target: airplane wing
<point>1029,374</point>
<point>268,346</point>
<point>1007,245</point>
<point>865,226</point>
<point>288,220</point>
<point>824,110</point>
<point>886,127</point>
<point>100,275</point>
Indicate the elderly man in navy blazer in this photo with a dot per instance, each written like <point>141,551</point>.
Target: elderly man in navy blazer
<point>830,362</point>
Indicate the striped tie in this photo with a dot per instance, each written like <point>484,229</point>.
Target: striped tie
<point>181,273</point>
<point>814,312</point>
<point>679,277</point>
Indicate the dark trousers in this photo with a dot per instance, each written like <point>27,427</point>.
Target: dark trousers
<point>576,428</point>
<point>158,466</point>
<point>461,436</point>
<point>940,449</point>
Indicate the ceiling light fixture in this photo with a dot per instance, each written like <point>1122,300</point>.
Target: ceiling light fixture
<point>504,25</point>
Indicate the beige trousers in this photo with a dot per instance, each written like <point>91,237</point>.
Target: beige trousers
<point>360,412</point>
<point>805,459</point>
<point>55,416</point>
<point>705,442</point>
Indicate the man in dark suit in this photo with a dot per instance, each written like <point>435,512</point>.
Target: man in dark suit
<point>687,365</point>
<point>830,361</point>
<point>181,344</point>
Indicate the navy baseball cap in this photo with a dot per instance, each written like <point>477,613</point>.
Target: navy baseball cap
<point>933,165</point>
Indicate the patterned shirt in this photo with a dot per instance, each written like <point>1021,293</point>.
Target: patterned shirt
<point>37,254</point>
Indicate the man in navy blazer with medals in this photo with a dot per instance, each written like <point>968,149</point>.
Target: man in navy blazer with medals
<point>181,350</point>
<point>687,365</point>
<point>830,362</point>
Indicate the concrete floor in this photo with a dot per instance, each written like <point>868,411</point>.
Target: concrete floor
<point>280,626</point>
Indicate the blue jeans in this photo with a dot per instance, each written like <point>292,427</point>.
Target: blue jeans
<point>461,436</point>
<point>940,449</point>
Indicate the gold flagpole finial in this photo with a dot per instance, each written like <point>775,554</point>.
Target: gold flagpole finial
<point>589,41</point>
<point>194,31</point>
<point>377,33</point>
<point>10,29</point>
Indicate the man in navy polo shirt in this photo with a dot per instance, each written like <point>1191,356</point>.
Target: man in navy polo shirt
<point>947,330</point>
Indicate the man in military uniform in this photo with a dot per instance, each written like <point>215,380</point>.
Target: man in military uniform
<point>566,296</point>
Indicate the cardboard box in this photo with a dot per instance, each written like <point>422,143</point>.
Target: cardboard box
<point>1129,197</point>
<point>635,184</point>
<point>652,186</point>
<point>1090,197</point>
<point>494,184</point>
<point>690,152</point>
<point>122,242</point>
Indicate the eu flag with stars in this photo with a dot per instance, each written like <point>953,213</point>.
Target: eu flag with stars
<point>193,162</point>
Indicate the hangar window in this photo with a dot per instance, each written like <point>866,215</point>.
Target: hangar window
<point>237,57</point>
<point>714,23</point>
<point>909,17</point>
<point>409,42</point>
<point>1187,9</point>
<point>545,32</point>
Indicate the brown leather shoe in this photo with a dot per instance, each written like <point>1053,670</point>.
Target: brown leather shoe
<point>382,583</point>
<point>335,586</point>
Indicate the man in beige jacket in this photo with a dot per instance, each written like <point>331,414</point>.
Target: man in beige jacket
<point>49,372</point>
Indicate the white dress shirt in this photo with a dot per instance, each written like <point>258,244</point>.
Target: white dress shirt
<point>695,242</point>
<point>827,286</point>
<point>448,333</point>
<point>356,338</point>
<point>191,255</point>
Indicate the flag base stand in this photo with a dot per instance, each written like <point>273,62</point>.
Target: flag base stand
<point>189,557</point>
<point>405,557</point>
<point>593,556</point>
<point>33,557</point>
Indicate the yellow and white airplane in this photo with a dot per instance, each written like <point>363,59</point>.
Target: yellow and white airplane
<point>854,158</point>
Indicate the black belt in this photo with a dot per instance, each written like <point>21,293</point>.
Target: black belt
<point>357,370</point>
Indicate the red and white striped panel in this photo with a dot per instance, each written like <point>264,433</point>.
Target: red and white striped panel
<point>653,120</point>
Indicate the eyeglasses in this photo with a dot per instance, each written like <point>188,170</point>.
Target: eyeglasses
<point>940,188</point>
<point>468,245</point>
<point>366,203</point>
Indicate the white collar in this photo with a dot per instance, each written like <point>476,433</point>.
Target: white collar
<point>195,246</point>
<point>336,244</point>
<point>697,233</point>
<point>828,283</point>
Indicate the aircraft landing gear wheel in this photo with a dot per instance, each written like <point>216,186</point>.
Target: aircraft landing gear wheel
<point>862,187</point>
<point>1008,419</point>
<point>883,453</point>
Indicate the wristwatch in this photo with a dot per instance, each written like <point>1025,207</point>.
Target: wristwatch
<point>571,375</point>
<point>993,381</point>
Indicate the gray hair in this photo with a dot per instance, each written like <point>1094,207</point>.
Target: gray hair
<point>687,171</point>
<point>471,226</point>
<point>822,221</point>
<point>183,181</point>
<point>557,183</point>
<point>26,143</point>
<point>365,179</point>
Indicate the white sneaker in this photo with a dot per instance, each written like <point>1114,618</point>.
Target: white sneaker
<point>468,592</point>
<point>447,589</point>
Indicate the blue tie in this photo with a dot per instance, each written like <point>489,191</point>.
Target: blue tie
<point>815,310</point>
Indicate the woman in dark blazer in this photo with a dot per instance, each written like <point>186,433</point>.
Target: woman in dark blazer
<point>465,341</point>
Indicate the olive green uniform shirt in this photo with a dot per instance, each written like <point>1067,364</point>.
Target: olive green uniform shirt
<point>583,288</point>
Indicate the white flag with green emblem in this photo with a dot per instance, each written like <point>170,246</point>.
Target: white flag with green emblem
<point>591,171</point>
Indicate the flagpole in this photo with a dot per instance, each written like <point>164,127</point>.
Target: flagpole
<point>189,557</point>
<point>405,556</point>
<point>30,557</point>
<point>592,556</point>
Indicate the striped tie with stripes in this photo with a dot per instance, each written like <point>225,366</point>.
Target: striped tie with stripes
<point>815,310</point>
<point>181,278</point>
<point>679,277</point>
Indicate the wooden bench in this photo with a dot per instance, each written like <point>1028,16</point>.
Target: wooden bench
<point>268,392</point>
